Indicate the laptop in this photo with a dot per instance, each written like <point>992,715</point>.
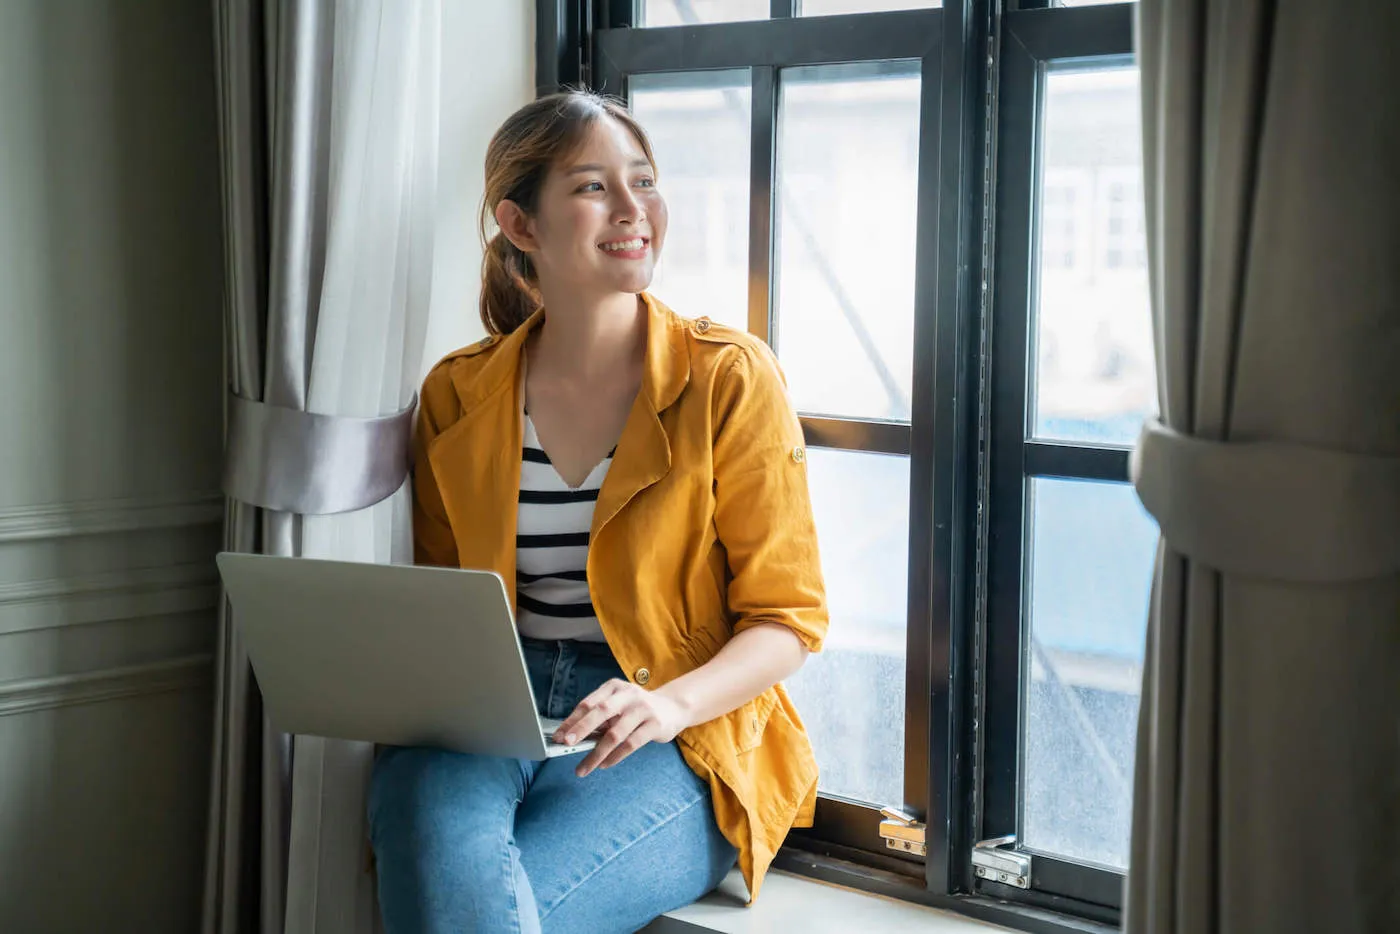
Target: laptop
<point>391,654</point>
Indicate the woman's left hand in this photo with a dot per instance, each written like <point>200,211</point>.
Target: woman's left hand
<point>630,717</point>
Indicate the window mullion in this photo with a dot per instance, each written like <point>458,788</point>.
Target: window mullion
<point>999,740</point>
<point>1076,461</point>
<point>942,513</point>
<point>762,136</point>
<point>849,434</point>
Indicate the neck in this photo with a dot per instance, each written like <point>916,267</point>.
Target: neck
<point>583,338</point>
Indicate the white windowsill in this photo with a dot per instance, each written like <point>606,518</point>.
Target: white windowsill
<point>796,903</point>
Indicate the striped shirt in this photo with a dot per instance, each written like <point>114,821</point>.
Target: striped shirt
<point>551,547</point>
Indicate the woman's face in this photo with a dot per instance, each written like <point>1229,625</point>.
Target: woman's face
<point>600,221</point>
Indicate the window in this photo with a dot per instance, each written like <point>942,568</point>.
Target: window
<point>687,12</point>
<point>956,287</point>
<point>838,125</point>
<point>1094,376</point>
<point>699,128</point>
<point>830,7</point>
<point>1068,549</point>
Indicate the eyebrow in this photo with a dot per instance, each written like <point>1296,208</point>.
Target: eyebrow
<point>595,167</point>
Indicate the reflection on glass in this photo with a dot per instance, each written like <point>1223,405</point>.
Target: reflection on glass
<point>851,694</point>
<point>1094,377</point>
<point>848,155</point>
<point>835,7</point>
<point>687,12</point>
<point>1091,558</point>
<point>699,129</point>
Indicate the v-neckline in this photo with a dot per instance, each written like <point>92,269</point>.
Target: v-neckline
<point>582,484</point>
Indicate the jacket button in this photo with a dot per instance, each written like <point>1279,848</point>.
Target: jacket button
<point>642,676</point>
<point>798,455</point>
<point>702,325</point>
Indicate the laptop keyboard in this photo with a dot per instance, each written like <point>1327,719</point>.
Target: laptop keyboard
<point>548,726</point>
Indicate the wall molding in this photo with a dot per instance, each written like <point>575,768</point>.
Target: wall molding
<point>177,674</point>
<point>105,517</point>
<point>136,593</point>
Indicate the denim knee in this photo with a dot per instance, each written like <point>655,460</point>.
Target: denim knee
<point>413,789</point>
<point>441,825</point>
<point>398,781</point>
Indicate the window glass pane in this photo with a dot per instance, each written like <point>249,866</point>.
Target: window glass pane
<point>847,184</point>
<point>851,694</point>
<point>687,12</point>
<point>834,7</point>
<point>1094,377</point>
<point>699,129</point>
<point>1091,559</point>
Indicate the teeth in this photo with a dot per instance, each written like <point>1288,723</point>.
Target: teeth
<point>623,245</point>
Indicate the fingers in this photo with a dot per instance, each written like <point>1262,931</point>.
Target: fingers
<point>636,740</point>
<point>620,741</point>
<point>591,713</point>
<point>624,710</point>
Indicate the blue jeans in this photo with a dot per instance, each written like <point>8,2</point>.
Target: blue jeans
<point>484,844</point>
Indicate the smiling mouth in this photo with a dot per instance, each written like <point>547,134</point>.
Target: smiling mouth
<point>636,245</point>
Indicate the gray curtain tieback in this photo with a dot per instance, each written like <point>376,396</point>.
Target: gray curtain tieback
<point>1271,509</point>
<point>294,461</point>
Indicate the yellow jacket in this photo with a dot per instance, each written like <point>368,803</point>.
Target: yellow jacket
<point>703,527</point>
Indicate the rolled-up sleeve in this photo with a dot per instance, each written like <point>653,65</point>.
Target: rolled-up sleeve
<point>763,511</point>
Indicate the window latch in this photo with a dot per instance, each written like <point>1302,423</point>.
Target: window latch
<point>997,860</point>
<point>902,831</point>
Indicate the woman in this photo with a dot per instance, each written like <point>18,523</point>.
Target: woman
<point>639,481</point>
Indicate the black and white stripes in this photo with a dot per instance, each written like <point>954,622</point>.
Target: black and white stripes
<point>551,547</point>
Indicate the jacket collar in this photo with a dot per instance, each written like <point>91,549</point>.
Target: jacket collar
<point>477,459</point>
<point>666,370</point>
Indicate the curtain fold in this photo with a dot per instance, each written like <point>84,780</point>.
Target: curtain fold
<point>329,134</point>
<point>1267,785</point>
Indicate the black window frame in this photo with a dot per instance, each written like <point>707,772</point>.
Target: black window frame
<point>1032,41</point>
<point>980,106</point>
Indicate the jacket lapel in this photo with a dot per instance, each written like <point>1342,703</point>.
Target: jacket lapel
<point>644,450</point>
<point>477,460</point>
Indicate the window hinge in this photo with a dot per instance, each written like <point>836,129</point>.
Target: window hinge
<point>903,832</point>
<point>997,860</point>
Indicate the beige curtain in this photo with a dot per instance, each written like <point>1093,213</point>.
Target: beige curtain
<point>1267,793</point>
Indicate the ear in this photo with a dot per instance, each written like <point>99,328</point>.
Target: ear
<point>518,227</point>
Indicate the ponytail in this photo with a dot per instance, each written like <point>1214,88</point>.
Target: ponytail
<point>508,296</point>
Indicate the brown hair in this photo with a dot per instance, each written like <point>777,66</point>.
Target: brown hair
<point>532,139</point>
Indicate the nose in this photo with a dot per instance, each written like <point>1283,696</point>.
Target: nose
<point>627,209</point>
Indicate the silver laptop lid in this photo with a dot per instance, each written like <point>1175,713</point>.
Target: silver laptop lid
<point>392,654</point>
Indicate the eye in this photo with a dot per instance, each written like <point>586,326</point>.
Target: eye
<point>590,187</point>
<point>646,181</point>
